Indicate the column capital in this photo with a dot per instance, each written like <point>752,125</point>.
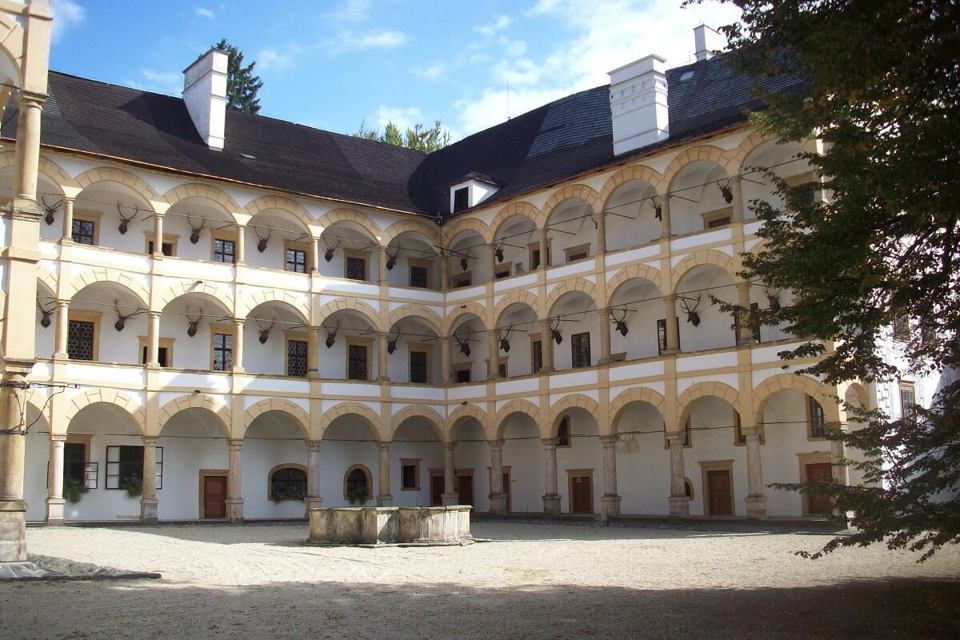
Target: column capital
<point>450,445</point>
<point>549,443</point>
<point>154,314</point>
<point>32,98</point>
<point>235,444</point>
<point>150,441</point>
<point>58,437</point>
<point>383,445</point>
<point>239,321</point>
<point>609,440</point>
<point>495,444</point>
<point>313,446</point>
<point>670,298</point>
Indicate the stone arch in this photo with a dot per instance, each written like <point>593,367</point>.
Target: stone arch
<point>568,402</point>
<point>110,174</point>
<point>419,311</point>
<point>412,410</point>
<point>213,404</point>
<point>862,396</point>
<point>45,276</point>
<point>693,154</point>
<point>371,315</point>
<point>197,190</point>
<point>428,230</point>
<point>215,290</point>
<point>474,308</point>
<point>57,175</point>
<point>633,272</point>
<point>11,45</point>
<point>581,191</point>
<point>579,284</point>
<point>634,172</point>
<point>109,396</point>
<point>620,403</point>
<point>703,257</point>
<point>521,296</point>
<point>281,405</point>
<point>745,148</point>
<point>113,276</point>
<point>464,411</point>
<point>264,203</point>
<point>702,390</point>
<point>359,409</point>
<point>469,224</point>
<point>517,208</point>
<point>518,405</point>
<point>352,215</point>
<point>264,296</point>
<point>824,394</point>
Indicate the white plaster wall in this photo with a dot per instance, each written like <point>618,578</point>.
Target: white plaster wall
<point>582,230</point>
<point>523,453</point>
<point>584,452</point>
<point>44,339</point>
<point>588,321</point>
<point>715,328</point>
<point>188,446</point>
<point>685,216</point>
<point>641,320</point>
<point>114,346</point>
<point>478,263</point>
<point>35,472</point>
<point>643,463</point>
<point>263,449</point>
<point>627,201</point>
<point>711,420</point>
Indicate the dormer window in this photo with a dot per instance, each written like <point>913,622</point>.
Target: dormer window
<point>461,199</point>
<point>473,189</point>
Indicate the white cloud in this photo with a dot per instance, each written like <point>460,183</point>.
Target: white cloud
<point>499,23</point>
<point>351,11</point>
<point>403,117</point>
<point>204,12</point>
<point>434,71</point>
<point>273,59</point>
<point>383,39</point>
<point>66,14</point>
<point>168,82</point>
<point>494,106</point>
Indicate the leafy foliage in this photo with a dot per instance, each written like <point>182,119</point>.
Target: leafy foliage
<point>242,85</point>
<point>418,138</point>
<point>882,95</point>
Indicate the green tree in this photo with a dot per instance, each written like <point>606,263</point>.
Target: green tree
<point>242,85</point>
<point>418,138</point>
<point>882,92</point>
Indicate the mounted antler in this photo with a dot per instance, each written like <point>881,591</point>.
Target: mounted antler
<point>50,209</point>
<point>121,317</point>
<point>392,259</point>
<point>621,322</point>
<point>328,254</point>
<point>192,322</point>
<point>725,191</point>
<point>464,342</point>
<point>332,335</point>
<point>498,251</point>
<point>773,297</point>
<point>265,331</point>
<point>45,314</point>
<point>126,220</point>
<point>262,240</point>
<point>195,230</point>
<point>692,316</point>
<point>502,335</point>
<point>392,342</point>
<point>555,330</point>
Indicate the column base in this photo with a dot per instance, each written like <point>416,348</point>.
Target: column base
<point>13,531</point>
<point>498,503</point>
<point>449,499</point>
<point>757,507</point>
<point>314,503</point>
<point>610,506</point>
<point>149,509</point>
<point>551,503</point>
<point>383,379</point>
<point>679,506</point>
<point>385,501</point>
<point>55,508</point>
<point>235,509</point>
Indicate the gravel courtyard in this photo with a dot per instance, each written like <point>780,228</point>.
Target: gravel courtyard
<point>529,581</point>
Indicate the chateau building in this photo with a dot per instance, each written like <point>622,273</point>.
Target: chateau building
<point>227,316</point>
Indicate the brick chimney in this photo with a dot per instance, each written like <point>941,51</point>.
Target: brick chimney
<point>638,104</point>
<point>205,94</point>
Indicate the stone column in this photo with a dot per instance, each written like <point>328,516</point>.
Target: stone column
<point>665,226</point>
<point>148,499</point>
<point>450,495</point>
<point>13,510</point>
<point>382,265</point>
<point>237,345</point>
<point>493,261</point>
<point>314,254</point>
<point>679,502</point>
<point>611,498</point>
<point>153,339</point>
<point>444,270</point>
<point>55,480</point>
<point>673,333</point>
<point>444,360</point>
<point>601,221</point>
<point>63,325</point>
<point>756,500</point>
<point>240,253</point>
<point>382,357</point>
<point>158,235</point>
<point>234,486</point>
<point>736,188</point>
<point>493,359</point>
<point>384,499</point>
<point>498,497</point>
<point>544,247</point>
<point>67,220</point>
<point>551,499</point>
<point>313,341</point>
<point>546,346</point>
<point>314,501</point>
<point>28,146</point>
<point>745,330</point>
<point>603,315</point>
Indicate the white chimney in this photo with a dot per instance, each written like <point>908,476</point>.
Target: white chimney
<point>638,104</point>
<point>205,94</point>
<point>707,41</point>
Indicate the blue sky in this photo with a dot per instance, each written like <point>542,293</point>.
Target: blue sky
<point>335,63</point>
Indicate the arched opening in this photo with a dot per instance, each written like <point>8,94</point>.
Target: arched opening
<point>112,215</point>
<point>516,246</point>
<point>523,456</point>
<point>782,160</point>
<point>469,350</point>
<point>198,228</point>
<point>519,341</point>
<point>106,322</point>
<point>468,261</point>
<point>357,485</point>
<point>195,447</point>
<point>415,355</point>
<point>348,346</point>
<point>637,320</point>
<point>413,261</point>
<point>196,332</point>
<point>579,463</point>
<point>46,328</point>
<point>276,239</point>
<point>275,341</point>
<point>700,198</point>
<point>702,323</point>
<point>349,443</point>
<point>715,457</point>
<point>571,232</point>
<point>631,216</point>
<point>643,467</point>
<point>415,451</point>
<point>471,458</point>
<point>288,482</point>
<point>575,331</point>
<point>272,440</point>
<point>35,469</point>
<point>348,251</point>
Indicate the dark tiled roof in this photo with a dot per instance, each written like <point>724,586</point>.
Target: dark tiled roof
<point>558,140</point>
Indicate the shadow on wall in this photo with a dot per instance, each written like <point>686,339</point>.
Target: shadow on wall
<point>530,609</point>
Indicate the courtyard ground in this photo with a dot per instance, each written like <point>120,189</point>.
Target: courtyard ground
<point>529,581</point>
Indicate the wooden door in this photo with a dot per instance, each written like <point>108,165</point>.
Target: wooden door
<point>720,498</point>
<point>214,497</point>
<point>816,504</point>
<point>506,490</point>
<point>581,494</point>
<point>436,490</point>
<point>465,489</point>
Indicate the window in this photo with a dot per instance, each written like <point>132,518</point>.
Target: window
<point>901,327</point>
<point>579,252</point>
<point>461,199</point>
<point>410,475</point>
<point>75,462</point>
<point>461,372</point>
<point>662,333</point>
<point>85,228</point>
<point>502,368</point>
<point>816,419</point>
<point>501,271</point>
<point>164,351</point>
<point>224,247</point>
<point>83,330</point>
<point>533,250</point>
<point>687,433</point>
<point>168,247</point>
<point>125,467</point>
<point>536,354</point>
<point>688,488</point>
<point>356,484</point>
<point>222,349</point>
<point>419,274</point>
<point>296,357</point>
<point>461,280</point>
<point>288,483</point>
<point>563,432</point>
<point>296,257</point>
<point>419,365</point>
<point>715,219</point>
<point>358,360</point>
<point>580,347</point>
<point>738,436</point>
<point>355,265</point>
<point>908,399</point>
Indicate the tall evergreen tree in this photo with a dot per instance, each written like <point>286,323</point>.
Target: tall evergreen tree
<point>418,137</point>
<point>242,85</point>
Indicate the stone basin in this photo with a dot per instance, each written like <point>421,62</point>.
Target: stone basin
<point>444,525</point>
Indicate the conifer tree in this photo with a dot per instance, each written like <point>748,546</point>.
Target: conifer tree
<point>242,85</point>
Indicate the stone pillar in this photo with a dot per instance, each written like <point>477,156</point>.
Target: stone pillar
<point>234,488</point>
<point>551,499</point>
<point>384,499</point>
<point>240,253</point>
<point>679,502</point>
<point>601,221</point>
<point>450,495</point>
<point>444,360</point>
<point>546,346</point>
<point>665,226</point>
<point>153,339</point>
<point>736,188</point>
<point>313,342</point>
<point>237,345</point>
<point>673,333</point>
<point>382,265</point>
<point>67,220</point>
<point>498,497</point>
<point>314,254</point>
<point>148,500</point>
<point>444,270</point>
<point>63,325</point>
<point>745,330</point>
<point>13,510</point>
<point>493,359</point>
<point>756,500</point>
<point>603,315</point>
<point>158,235</point>
<point>55,480</point>
<point>493,261</point>
<point>611,498</point>
<point>544,247</point>
<point>382,357</point>
<point>28,146</point>
<point>314,501</point>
